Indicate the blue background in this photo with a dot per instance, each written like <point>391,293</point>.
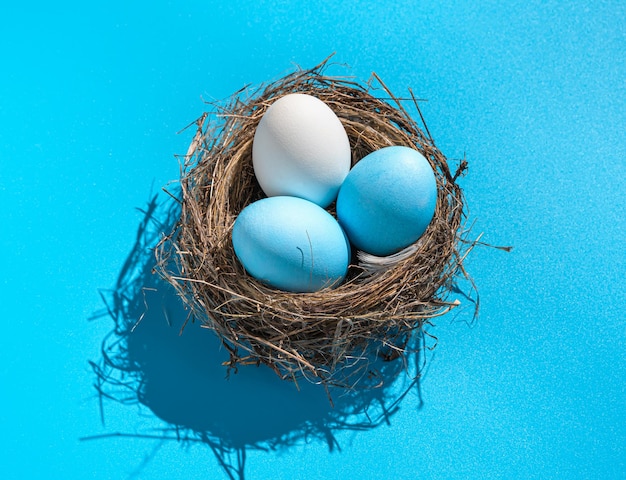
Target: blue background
<point>533,93</point>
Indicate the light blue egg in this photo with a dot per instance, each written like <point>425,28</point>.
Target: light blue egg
<point>387,200</point>
<point>291,244</point>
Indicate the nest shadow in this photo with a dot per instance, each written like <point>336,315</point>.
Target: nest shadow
<point>180,376</point>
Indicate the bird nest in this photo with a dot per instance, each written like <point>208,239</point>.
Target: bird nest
<point>332,336</point>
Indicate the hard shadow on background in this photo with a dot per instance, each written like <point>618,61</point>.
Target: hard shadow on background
<point>149,359</point>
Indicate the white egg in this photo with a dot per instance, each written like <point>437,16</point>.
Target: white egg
<point>301,149</point>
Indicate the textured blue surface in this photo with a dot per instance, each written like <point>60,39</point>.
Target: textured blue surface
<point>533,95</point>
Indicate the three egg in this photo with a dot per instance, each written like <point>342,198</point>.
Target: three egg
<point>302,160</point>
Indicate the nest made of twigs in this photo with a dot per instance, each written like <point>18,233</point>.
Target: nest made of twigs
<point>328,336</point>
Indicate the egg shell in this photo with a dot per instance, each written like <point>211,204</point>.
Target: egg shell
<point>387,200</point>
<point>291,244</point>
<point>301,149</point>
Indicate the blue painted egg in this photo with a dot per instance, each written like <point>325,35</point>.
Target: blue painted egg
<point>291,244</point>
<point>387,200</point>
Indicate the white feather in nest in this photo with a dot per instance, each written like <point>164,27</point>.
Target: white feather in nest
<point>372,263</point>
